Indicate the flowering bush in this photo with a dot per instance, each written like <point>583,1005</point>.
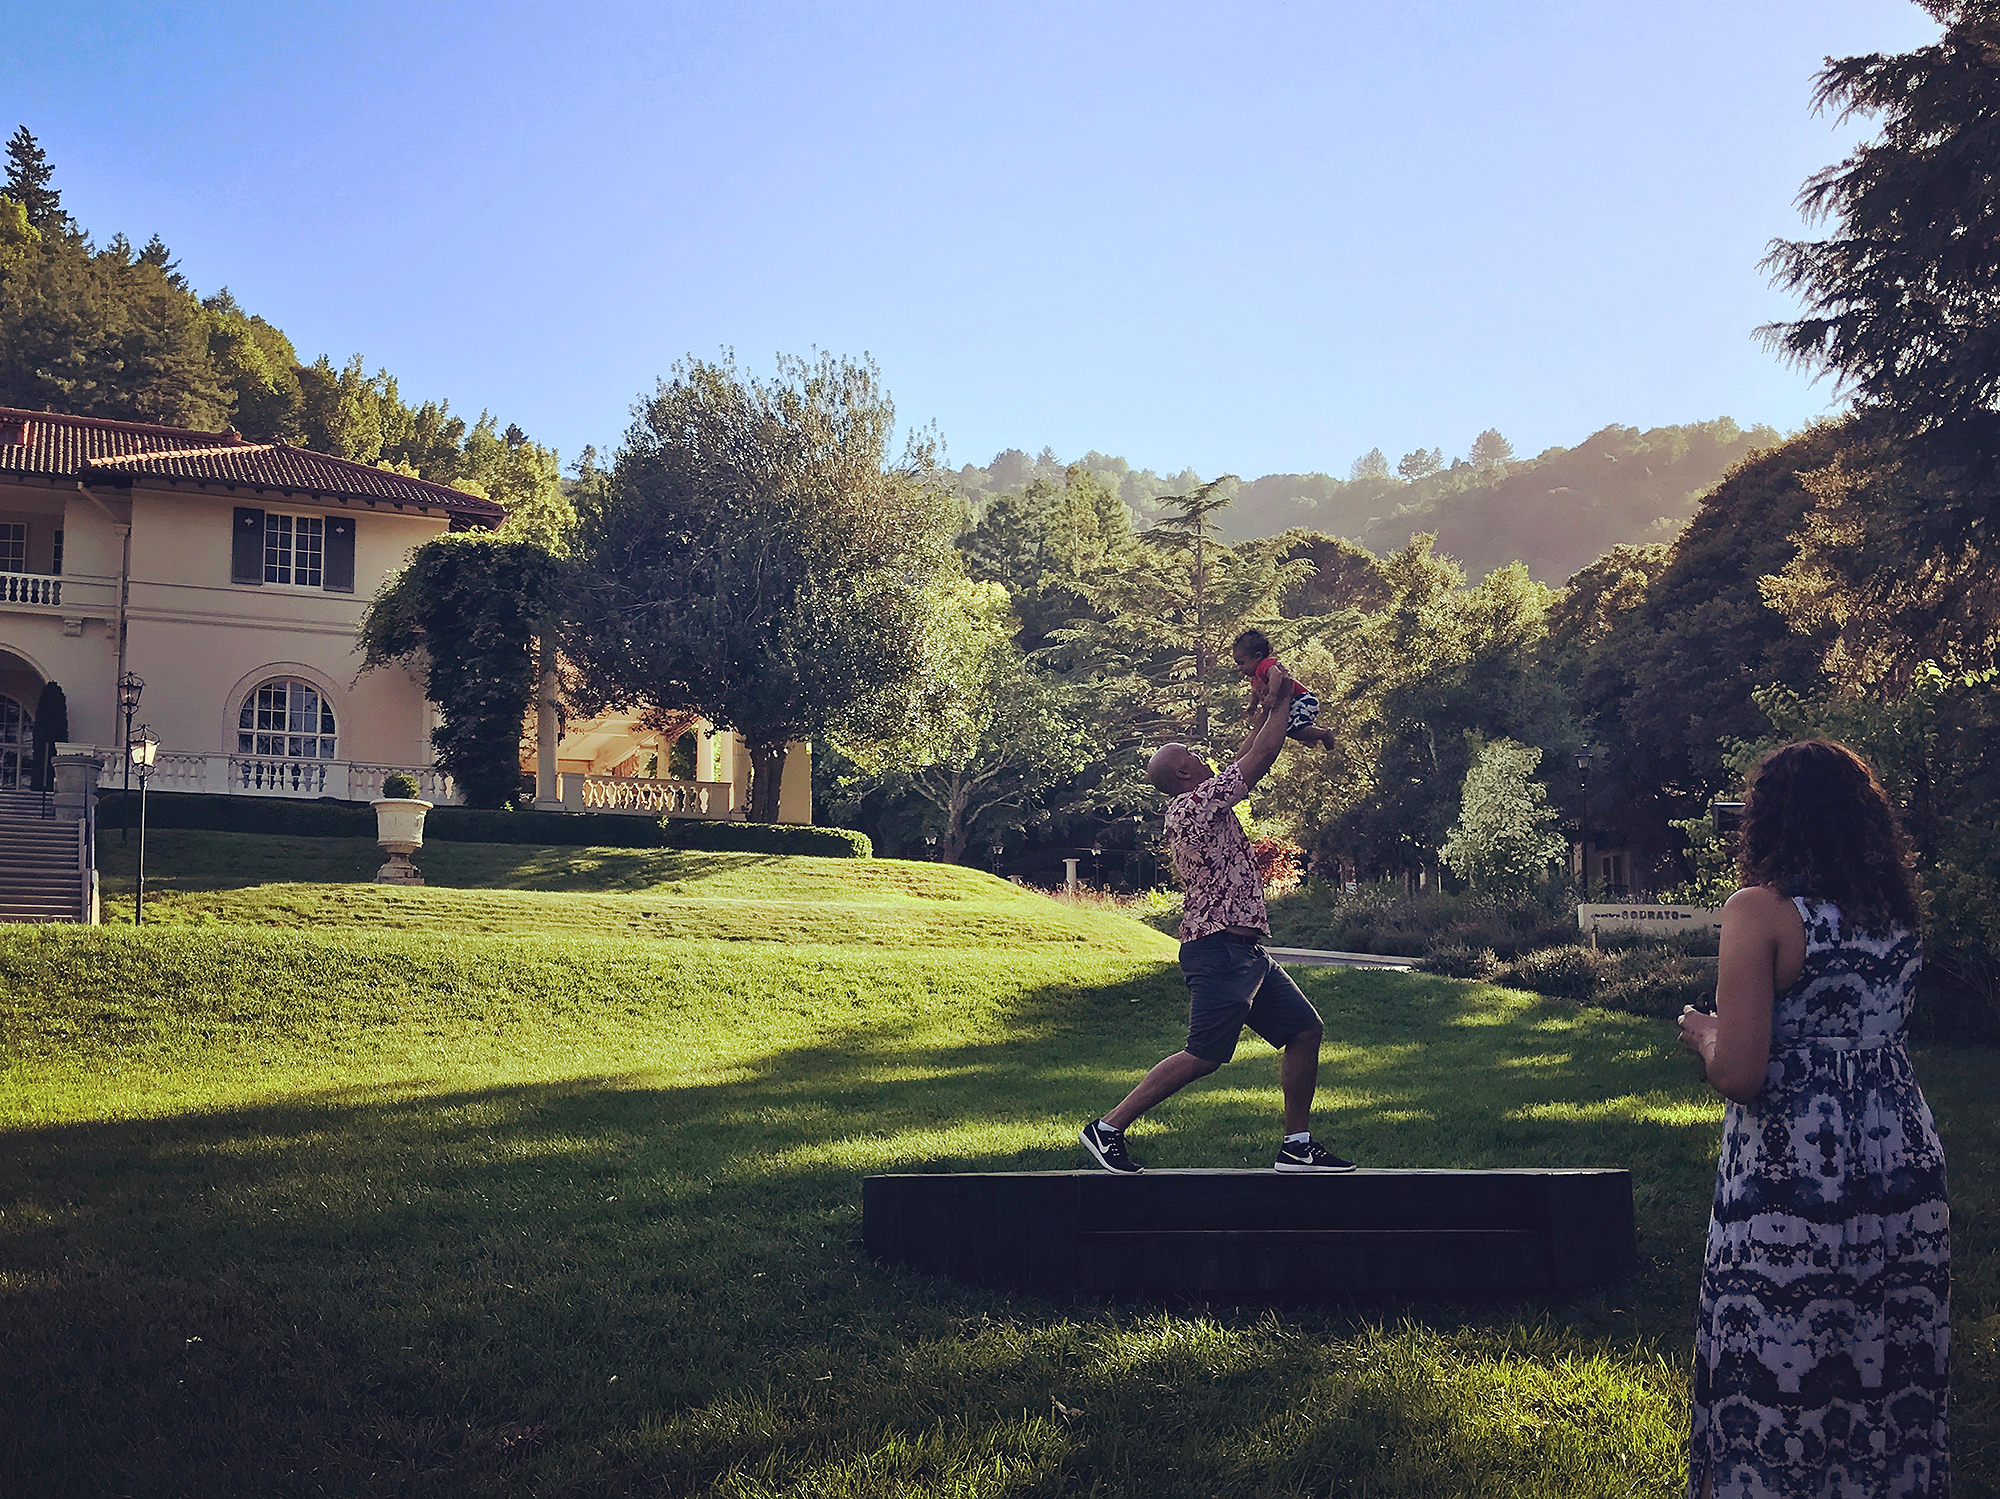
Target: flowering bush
<point>1277,862</point>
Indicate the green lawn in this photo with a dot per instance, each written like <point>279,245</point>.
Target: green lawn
<point>338,1189</point>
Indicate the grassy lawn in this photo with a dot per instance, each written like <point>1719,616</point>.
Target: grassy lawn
<point>340,1189</point>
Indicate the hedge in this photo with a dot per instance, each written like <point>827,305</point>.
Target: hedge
<point>767,838</point>
<point>329,818</point>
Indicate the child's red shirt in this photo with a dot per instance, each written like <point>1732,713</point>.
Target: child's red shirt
<point>1262,675</point>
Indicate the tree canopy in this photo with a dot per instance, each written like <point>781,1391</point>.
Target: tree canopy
<point>756,553</point>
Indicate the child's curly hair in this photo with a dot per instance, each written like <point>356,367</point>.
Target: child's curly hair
<point>1817,823</point>
<point>1252,640</point>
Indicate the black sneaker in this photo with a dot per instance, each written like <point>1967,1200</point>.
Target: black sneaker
<point>1307,1155</point>
<point>1107,1148</point>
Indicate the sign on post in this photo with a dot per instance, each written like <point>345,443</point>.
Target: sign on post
<point>1658,921</point>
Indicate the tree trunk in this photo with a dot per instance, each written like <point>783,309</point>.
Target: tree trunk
<point>767,778</point>
<point>956,832</point>
<point>1200,647</point>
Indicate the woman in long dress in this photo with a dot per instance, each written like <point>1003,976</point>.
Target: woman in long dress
<point>1822,1349</point>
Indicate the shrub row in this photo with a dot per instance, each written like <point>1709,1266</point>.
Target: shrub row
<point>1645,979</point>
<point>1385,919</point>
<point>1658,978</point>
<point>328,818</point>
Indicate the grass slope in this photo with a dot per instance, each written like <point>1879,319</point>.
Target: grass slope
<point>380,1203</point>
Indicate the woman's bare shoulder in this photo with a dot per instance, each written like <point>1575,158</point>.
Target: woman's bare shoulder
<point>1760,906</point>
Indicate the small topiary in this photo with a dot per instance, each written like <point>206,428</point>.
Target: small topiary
<point>400,786</point>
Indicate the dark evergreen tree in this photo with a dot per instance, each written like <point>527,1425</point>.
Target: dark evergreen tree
<point>51,729</point>
<point>28,177</point>
<point>1903,297</point>
<point>157,254</point>
<point>1897,556</point>
<point>469,611</point>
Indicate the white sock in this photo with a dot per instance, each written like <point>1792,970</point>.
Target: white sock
<point>1301,1138</point>
<point>1106,1124</point>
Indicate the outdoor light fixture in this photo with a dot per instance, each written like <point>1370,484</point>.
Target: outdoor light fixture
<point>140,754</point>
<point>129,687</point>
<point>1583,758</point>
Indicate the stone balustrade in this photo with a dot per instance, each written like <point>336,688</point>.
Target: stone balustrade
<point>276,775</point>
<point>31,588</point>
<point>647,796</point>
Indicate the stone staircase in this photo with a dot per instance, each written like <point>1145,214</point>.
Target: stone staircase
<point>41,870</point>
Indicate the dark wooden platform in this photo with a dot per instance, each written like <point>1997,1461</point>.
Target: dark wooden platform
<point>1259,1233</point>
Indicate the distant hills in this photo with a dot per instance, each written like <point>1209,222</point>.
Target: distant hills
<point>1556,512</point>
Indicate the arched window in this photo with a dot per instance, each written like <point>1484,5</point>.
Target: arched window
<point>286,717</point>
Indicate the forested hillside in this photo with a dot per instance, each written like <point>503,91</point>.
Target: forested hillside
<point>1556,513</point>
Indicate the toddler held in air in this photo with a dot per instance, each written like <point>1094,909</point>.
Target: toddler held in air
<point>1252,650</point>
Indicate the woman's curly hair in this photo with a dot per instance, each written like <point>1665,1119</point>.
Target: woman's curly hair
<point>1817,823</point>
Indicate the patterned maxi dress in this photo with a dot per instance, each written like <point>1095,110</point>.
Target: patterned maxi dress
<point>1824,1335</point>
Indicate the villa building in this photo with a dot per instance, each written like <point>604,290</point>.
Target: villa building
<point>231,578</point>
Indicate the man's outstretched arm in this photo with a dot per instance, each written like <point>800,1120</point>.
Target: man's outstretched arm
<point>1261,753</point>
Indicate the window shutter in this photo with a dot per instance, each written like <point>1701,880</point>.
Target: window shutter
<point>246,556</point>
<point>339,557</point>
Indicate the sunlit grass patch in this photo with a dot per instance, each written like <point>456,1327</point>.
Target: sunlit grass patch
<point>1650,1109</point>
<point>360,1210</point>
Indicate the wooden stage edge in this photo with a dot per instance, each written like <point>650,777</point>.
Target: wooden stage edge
<point>1259,1233</point>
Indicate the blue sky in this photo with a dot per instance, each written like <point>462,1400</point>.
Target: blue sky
<point>1241,237</point>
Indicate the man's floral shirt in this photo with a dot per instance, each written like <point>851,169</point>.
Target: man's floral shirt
<point>1211,853</point>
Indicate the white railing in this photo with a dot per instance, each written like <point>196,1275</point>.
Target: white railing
<point>433,785</point>
<point>30,588</point>
<point>645,796</point>
<point>277,775</point>
<point>281,775</point>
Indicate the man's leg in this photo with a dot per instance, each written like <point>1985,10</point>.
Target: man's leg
<point>1298,1076</point>
<point>1166,1079</point>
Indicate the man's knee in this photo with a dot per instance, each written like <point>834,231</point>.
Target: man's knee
<point>1311,1036</point>
<point>1201,1066</point>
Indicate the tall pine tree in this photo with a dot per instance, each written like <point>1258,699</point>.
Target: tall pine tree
<point>28,178</point>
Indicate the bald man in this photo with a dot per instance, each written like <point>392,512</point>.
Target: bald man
<point>1232,982</point>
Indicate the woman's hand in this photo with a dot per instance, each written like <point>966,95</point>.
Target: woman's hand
<point>1698,1032</point>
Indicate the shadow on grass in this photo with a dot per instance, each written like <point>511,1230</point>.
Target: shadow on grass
<point>655,1284</point>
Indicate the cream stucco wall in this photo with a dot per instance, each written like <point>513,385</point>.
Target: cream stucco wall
<point>200,641</point>
<point>203,643</point>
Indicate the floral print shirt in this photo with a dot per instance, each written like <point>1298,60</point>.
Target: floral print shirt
<point>1211,853</point>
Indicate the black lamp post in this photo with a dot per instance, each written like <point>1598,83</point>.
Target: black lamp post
<point>139,756</point>
<point>1583,759</point>
<point>129,687</point>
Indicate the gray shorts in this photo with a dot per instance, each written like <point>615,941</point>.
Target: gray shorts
<point>1232,982</point>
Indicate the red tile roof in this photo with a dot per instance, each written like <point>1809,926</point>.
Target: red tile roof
<point>97,451</point>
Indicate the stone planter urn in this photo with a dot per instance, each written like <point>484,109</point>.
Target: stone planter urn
<point>399,829</point>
